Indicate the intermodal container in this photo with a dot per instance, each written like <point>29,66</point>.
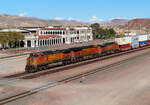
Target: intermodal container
<point>148,37</point>
<point>125,47</point>
<point>142,38</point>
<point>135,45</point>
<point>148,42</point>
<point>134,39</point>
<point>123,40</point>
<point>142,43</point>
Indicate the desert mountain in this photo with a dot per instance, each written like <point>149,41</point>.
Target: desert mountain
<point>139,23</point>
<point>19,21</point>
<point>114,23</point>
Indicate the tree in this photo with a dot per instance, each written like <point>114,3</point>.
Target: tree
<point>95,26</point>
<point>4,39</point>
<point>10,38</point>
<point>100,33</point>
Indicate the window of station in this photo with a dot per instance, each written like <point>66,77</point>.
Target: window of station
<point>56,41</point>
<point>47,42</point>
<point>43,42</point>
<point>63,40</point>
<point>52,41</point>
<point>38,43</point>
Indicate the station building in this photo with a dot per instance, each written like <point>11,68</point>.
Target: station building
<point>53,35</point>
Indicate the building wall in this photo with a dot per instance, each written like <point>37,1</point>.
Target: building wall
<point>63,35</point>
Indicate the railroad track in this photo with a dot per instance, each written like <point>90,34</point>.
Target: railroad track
<point>68,79</point>
<point>13,56</point>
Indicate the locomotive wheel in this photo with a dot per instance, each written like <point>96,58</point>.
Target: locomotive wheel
<point>44,67</point>
<point>40,68</point>
<point>30,70</point>
<point>64,63</point>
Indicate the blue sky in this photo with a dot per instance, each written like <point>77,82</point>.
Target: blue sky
<point>81,10</point>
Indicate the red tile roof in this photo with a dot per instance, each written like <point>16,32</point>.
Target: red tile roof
<point>53,29</point>
<point>48,36</point>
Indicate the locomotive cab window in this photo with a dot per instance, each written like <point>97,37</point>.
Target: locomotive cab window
<point>34,55</point>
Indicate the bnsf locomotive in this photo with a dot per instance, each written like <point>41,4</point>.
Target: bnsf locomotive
<point>43,60</point>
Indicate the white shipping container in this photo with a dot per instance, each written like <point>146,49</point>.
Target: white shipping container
<point>134,39</point>
<point>142,37</point>
<point>123,40</point>
<point>148,37</point>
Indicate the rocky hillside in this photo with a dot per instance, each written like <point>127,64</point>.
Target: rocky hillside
<point>114,23</point>
<point>19,21</point>
<point>140,23</point>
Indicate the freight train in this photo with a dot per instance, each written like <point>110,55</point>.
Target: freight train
<point>43,60</point>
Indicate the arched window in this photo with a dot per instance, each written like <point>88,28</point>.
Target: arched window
<point>52,41</point>
<point>43,42</point>
<point>38,42</point>
<point>60,41</point>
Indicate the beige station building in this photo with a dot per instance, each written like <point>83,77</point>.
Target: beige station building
<point>53,35</point>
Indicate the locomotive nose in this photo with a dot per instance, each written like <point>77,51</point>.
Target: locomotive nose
<point>29,61</point>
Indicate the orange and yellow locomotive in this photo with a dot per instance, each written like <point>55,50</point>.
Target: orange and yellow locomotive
<point>43,60</point>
